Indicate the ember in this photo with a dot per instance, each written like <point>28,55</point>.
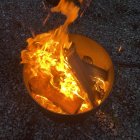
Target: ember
<point>56,76</point>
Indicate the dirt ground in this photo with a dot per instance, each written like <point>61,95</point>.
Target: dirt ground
<point>114,24</point>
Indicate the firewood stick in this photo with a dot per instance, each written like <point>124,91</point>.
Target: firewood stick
<point>80,72</point>
<point>42,86</point>
<point>95,71</point>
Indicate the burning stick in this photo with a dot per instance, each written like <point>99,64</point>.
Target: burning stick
<point>46,19</point>
<point>95,71</point>
<point>41,86</point>
<point>80,72</point>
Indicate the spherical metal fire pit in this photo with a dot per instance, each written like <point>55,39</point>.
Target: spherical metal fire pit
<point>86,48</point>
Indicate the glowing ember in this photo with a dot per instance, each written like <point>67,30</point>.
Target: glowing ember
<point>51,80</point>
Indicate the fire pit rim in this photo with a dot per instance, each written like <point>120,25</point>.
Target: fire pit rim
<point>59,115</point>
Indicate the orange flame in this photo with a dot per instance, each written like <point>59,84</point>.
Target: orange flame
<point>44,56</point>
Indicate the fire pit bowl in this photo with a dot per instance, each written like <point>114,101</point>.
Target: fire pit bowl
<point>91,53</point>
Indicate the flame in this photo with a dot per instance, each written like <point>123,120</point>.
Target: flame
<point>44,56</point>
<point>68,9</point>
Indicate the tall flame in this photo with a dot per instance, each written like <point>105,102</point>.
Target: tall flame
<point>44,56</point>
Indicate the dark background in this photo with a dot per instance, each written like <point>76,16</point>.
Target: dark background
<point>114,24</point>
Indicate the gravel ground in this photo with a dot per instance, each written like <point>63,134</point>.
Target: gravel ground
<point>113,23</point>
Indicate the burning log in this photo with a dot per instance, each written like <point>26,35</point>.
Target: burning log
<point>41,86</point>
<point>84,72</point>
<point>80,72</point>
<point>95,71</point>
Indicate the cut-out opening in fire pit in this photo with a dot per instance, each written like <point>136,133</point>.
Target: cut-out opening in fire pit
<point>95,76</point>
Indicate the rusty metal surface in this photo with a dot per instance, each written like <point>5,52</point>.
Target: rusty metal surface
<point>115,25</point>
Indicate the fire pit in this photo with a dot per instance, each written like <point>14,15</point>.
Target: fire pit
<point>91,54</point>
<point>67,74</point>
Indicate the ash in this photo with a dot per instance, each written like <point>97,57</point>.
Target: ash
<point>115,25</point>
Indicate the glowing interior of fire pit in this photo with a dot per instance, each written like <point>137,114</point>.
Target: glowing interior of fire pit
<point>50,74</point>
<point>49,77</point>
